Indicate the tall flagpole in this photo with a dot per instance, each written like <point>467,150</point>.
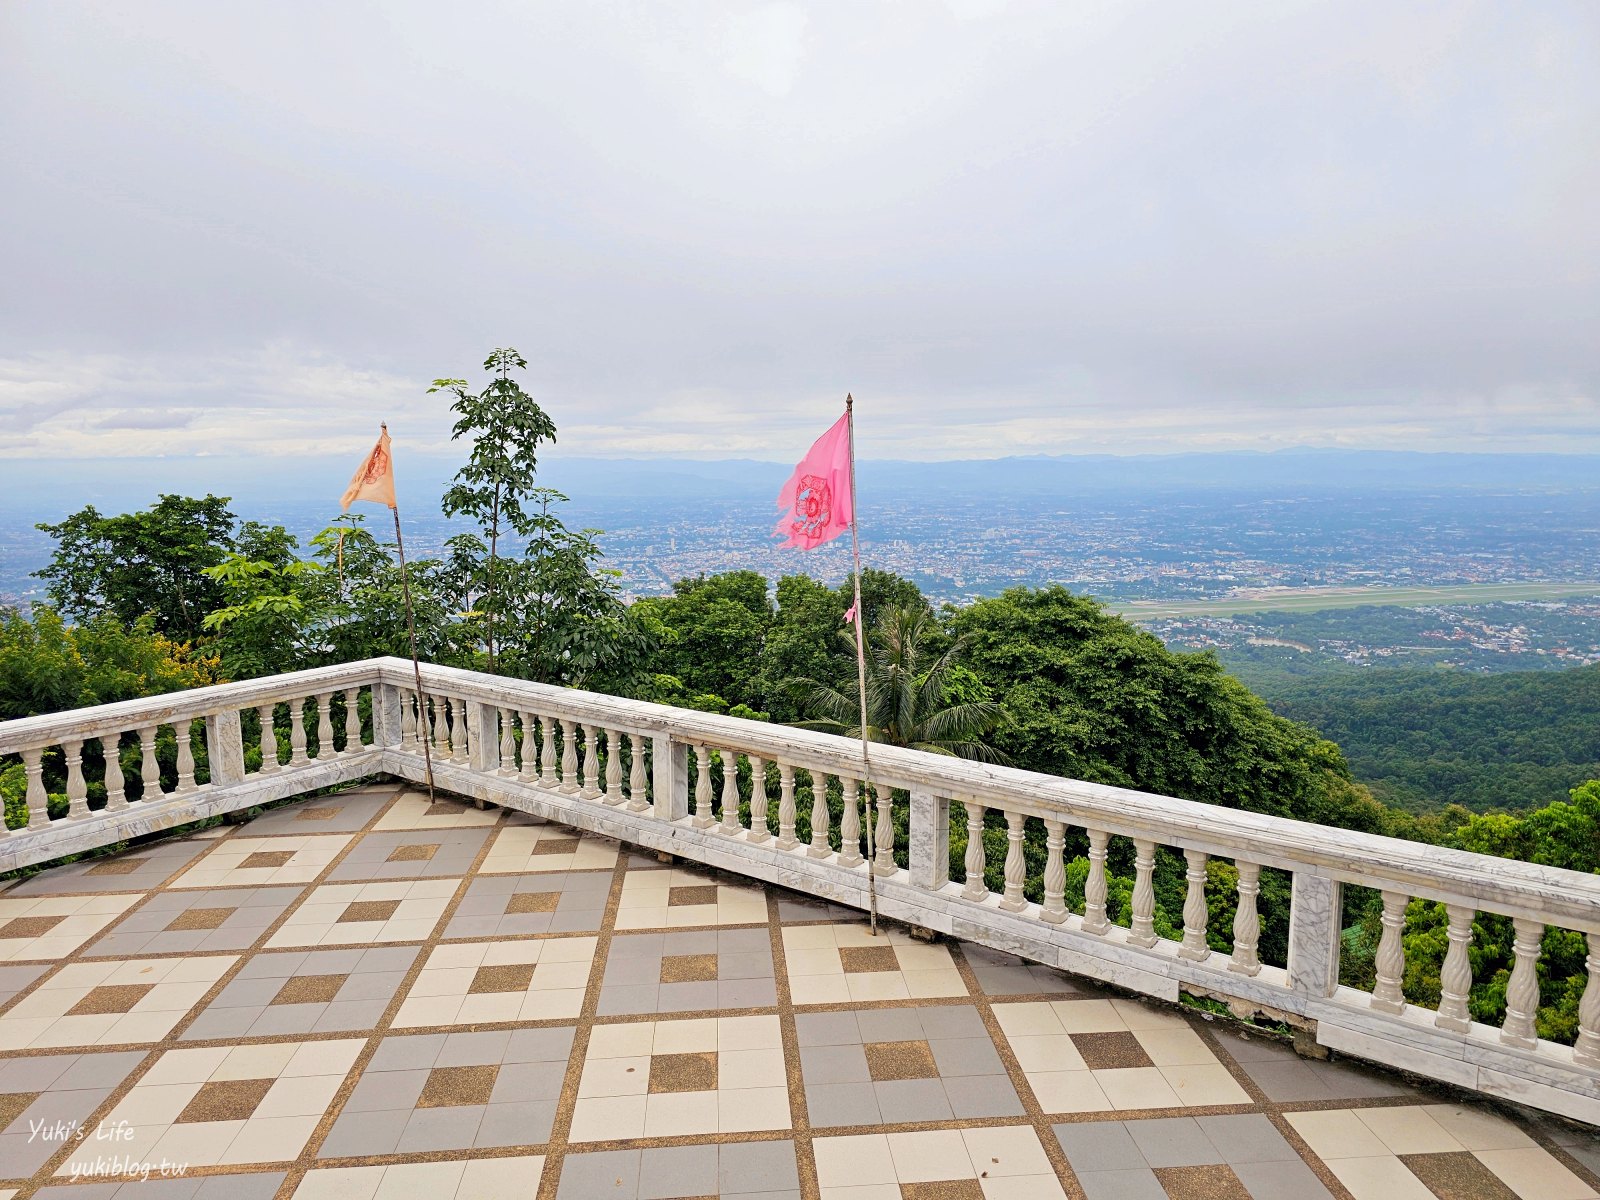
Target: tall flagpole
<point>861,674</point>
<point>416,668</point>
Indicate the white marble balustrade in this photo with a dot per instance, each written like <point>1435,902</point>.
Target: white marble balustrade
<point>801,809</point>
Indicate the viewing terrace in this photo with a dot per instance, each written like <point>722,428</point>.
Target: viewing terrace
<point>604,965</point>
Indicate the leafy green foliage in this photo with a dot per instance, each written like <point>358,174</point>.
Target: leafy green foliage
<point>1424,739</point>
<point>143,563</point>
<point>496,486</point>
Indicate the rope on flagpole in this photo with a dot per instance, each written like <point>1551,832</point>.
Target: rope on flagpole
<point>861,676</point>
<point>416,669</point>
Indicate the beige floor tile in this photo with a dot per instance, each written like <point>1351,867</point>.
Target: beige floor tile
<point>340,1183</point>
<point>1137,1087</point>
<point>858,1160</point>
<point>673,1114</point>
<point>749,1033</point>
<point>1198,1085</point>
<point>1338,1133</point>
<point>1031,1019</point>
<point>1006,1150</point>
<point>819,989</point>
<point>923,1157</point>
<point>751,1109</point>
<point>1533,1174</point>
<point>1047,1052</point>
<point>1407,1130</point>
<point>621,1041</point>
<point>1022,1187</point>
<point>421,1181</point>
<point>1383,1178</point>
<point>1088,1016</point>
<point>685,1037</point>
<point>928,984</point>
<point>1068,1092</point>
<point>749,1068</point>
<point>1477,1130</point>
<point>604,1118</point>
<point>1174,1047</point>
<point>501,1178</point>
<point>615,1077</point>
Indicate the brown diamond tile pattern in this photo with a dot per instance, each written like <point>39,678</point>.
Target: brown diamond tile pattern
<point>1110,1051</point>
<point>532,902</point>
<point>122,865</point>
<point>555,845</point>
<point>503,977</point>
<point>1457,1176</point>
<point>900,1060</point>
<point>415,852</point>
<point>902,1064</point>
<point>700,970</point>
<point>225,1100</point>
<point>30,927</point>
<point>309,989</point>
<point>1215,1182</point>
<point>859,960</point>
<point>683,1072</point>
<point>267,858</point>
<point>456,1087</point>
<point>110,998</point>
<point>368,910</point>
<point>199,918</point>
<point>942,1189</point>
<point>698,894</point>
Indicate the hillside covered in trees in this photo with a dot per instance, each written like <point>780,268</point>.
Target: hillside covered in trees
<point>1424,739</point>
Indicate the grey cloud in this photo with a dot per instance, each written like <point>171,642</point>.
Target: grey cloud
<point>1016,227</point>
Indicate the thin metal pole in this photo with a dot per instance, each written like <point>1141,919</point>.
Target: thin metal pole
<point>861,674</point>
<point>416,669</point>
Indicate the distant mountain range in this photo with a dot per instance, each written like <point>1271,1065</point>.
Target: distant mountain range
<point>47,489</point>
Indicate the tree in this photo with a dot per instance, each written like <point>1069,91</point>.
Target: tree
<point>711,632</point>
<point>908,700</point>
<point>507,425</point>
<point>150,562</point>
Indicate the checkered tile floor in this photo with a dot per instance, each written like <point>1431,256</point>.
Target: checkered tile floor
<point>366,996</point>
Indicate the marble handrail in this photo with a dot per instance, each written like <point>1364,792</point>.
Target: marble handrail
<point>647,774</point>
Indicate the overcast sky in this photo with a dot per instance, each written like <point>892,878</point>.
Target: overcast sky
<point>1008,228</point>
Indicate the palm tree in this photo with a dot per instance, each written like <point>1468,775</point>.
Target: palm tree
<point>906,701</point>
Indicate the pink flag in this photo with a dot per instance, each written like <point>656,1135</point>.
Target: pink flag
<point>817,503</point>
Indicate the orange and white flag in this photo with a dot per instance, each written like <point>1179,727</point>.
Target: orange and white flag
<point>374,479</point>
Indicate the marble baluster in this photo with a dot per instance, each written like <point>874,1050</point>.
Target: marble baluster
<point>116,787</point>
<point>568,757</point>
<point>36,798</point>
<point>819,847</point>
<point>352,721</point>
<point>1455,978</point>
<point>1246,923</point>
<point>77,789</point>
<point>614,768</point>
<point>591,764</point>
<point>883,834</point>
<point>547,752</point>
<point>1195,914</point>
<point>149,769</point>
<point>529,773</point>
<point>1016,864</point>
<point>758,800</point>
<point>1143,932</point>
<point>1522,989</point>
<point>1390,964</point>
<point>638,776</point>
<point>297,735</point>
<point>267,739</point>
<point>508,742</point>
<point>976,863</point>
<point>702,788</point>
<point>325,748</point>
<point>1054,909</point>
<point>183,729</point>
<point>850,824</point>
<point>732,824</point>
<point>1094,884</point>
<point>1587,1049</point>
<point>460,734</point>
<point>786,813</point>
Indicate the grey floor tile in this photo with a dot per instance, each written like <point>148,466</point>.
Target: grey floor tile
<point>965,1056</point>
<point>1099,1146</point>
<point>358,1134</point>
<point>1139,1184</point>
<point>474,1049</point>
<point>1285,1081</point>
<point>674,1171</point>
<point>893,1025</point>
<point>407,1052</point>
<point>982,1096</point>
<point>1290,1179</point>
<point>441,1129</point>
<point>832,1104</point>
<point>827,1029</point>
<point>520,1123</point>
<point>913,1100</point>
<point>686,997</point>
<point>951,1021</point>
<point>608,1175</point>
<point>1247,1138</point>
<point>528,1081</point>
<point>629,998</point>
<point>387,1091</point>
<point>540,1045</point>
<point>1173,1142</point>
<point>833,1064</point>
<point>745,1168</point>
<point>746,993</point>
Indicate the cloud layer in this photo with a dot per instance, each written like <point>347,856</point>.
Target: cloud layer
<point>1006,227</point>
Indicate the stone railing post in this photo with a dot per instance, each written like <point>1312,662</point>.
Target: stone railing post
<point>669,762</point>
<point>387,722</point>
<point>930,841</point>
<point>1314,911</point>
<point>483,736</point>
<point>225,748</point>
